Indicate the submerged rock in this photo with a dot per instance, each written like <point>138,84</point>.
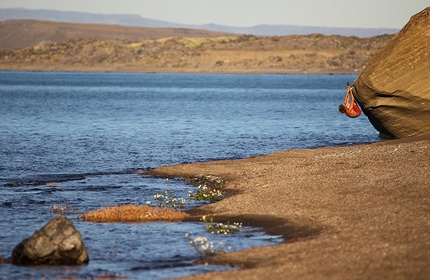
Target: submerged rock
<point>57,243</point>
<point>394,88</point>
<point>3,260</point>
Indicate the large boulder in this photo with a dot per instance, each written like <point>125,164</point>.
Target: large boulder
<point>394,88</point>
<point>57,243</point>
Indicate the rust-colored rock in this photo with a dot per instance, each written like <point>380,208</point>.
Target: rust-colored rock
<point>394,88</point>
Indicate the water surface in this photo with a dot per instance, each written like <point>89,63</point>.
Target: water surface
<point>83,139</point>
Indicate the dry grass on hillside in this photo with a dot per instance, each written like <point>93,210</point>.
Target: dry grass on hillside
<point>288,54</point>
<point>132,213</point>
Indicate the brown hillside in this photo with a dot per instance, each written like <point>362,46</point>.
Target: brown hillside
<point>17,34</point>
<point>244,54</point>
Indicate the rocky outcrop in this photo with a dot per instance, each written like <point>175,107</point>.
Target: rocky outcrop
<point>57,243</point>
<point>394,88</point>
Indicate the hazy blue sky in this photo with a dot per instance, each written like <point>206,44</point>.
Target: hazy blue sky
<point>329,13</point>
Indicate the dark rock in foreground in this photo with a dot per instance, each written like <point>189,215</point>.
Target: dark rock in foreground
<point>394,88</point>
<point>57,243</point>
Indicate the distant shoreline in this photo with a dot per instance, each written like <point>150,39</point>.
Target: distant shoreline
<point>313,54</point>
<point>177,71</point>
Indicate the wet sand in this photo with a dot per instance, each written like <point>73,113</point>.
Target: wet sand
<point>356,212</point>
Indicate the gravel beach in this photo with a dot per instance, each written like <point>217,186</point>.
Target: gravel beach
<point>354,212</point>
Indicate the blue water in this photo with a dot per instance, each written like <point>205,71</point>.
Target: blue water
<point>84,138</point>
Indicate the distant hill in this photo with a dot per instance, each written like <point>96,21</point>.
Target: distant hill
<point>282,30</point>
<point>314,53</point>
<point>137,20</point>
<point>17,34</point>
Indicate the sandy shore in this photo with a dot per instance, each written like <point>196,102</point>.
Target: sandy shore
<point>357,212</point>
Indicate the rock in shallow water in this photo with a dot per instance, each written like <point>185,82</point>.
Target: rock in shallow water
<point>394,88</point>
<point>57,243</point>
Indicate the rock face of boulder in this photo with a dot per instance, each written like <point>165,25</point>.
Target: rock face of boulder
<point>57,243</point>
<point>394,88</point>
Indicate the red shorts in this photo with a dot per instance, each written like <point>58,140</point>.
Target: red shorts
<point>355,112</point>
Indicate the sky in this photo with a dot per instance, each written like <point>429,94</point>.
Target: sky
<point>246,13</point>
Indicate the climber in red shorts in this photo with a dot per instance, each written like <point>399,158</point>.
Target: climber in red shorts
<point>349,107</point>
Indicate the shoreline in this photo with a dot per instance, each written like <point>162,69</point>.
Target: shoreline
<point>180,71</point>
<point>348,212</point>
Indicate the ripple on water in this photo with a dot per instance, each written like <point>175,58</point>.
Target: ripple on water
<point>141,250</point>
<point>80,139</point>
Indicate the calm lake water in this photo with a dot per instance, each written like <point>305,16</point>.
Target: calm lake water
<point>89,134</point>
